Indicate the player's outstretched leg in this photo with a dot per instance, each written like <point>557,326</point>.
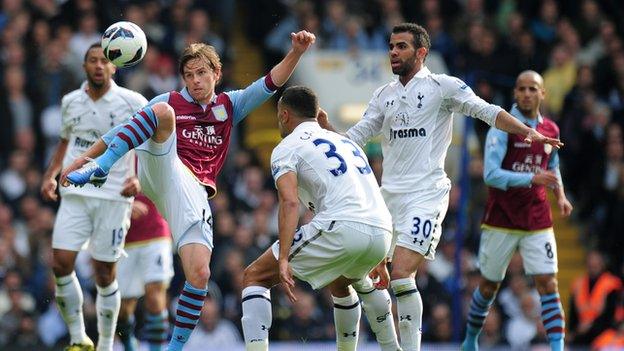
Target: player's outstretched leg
<point>552,311</point>
<point>479,308</point>
<point>149,121</point>
<point>377,306</point>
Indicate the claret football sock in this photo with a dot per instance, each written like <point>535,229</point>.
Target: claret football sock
<point>189,308</point>
<point>479,307</point>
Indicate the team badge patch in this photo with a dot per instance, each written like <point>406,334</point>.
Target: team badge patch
<point>547,149</point>
<point>220,113</point>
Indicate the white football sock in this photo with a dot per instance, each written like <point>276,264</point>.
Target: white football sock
<point>409,308</point>
<point>107,305</point>
<point>256,320</point>
<point>377,306</point>
<point>69,301</point>
<point>347,314</point>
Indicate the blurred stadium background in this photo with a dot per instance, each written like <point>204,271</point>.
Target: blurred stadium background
<point>576,45</point>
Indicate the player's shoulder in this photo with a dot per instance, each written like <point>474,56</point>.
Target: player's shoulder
<point>384,90</point>
<point>550,124</point>
<point>130,95</point>
<point>447,82</point>
<point>72,97</point>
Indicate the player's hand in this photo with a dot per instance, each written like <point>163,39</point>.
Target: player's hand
<point>565,207</point>
<point>131,187</point>
<point>380,275</point>
<point>78,162</point>
<point>139,209</point>
<point>48,189</point>
<point>301,41</point>
<point>286,277</point>
<point>546,178</point>
<point>535,136</point>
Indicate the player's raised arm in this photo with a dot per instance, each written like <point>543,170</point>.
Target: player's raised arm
<point>301,41</point>
<point>246,100</point>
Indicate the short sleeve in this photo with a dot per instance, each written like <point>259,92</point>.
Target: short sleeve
<point>283,160</point>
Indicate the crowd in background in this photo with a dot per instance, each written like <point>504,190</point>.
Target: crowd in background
<point>576,45</point>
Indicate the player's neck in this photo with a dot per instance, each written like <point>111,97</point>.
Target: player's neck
<point>97,92</point>
<point>406,78</point>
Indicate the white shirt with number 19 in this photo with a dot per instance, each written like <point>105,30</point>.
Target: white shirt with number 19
<point>416,124</point>
<point>334,178</point>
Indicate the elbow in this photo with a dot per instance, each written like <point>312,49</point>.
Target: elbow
<point>290,205</point>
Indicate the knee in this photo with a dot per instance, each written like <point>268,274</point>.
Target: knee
<point>488,289</point>
<point>155,302</point>
<point>200,274</point>
<point>250,275</point>
<point>400,272</point>
<point>104,273</point>
<point>164,113</point>
<point>546,284</point>
<point>61,268</point>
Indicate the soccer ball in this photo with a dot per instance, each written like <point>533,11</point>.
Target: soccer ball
<point>124,44</point>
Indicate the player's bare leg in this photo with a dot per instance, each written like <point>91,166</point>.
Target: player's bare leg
<point>482,299</point>
<point>409,303</point>
<point>69,298</point>
<point>156,329</point>
<point>259,277</point>
<point>552,311</point>
<point>125,324</point>
<point>107,303</point>
<point>347,312</point>
<point>195,259</point>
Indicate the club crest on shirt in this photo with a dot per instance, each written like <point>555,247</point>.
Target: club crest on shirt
<point>220,113</point>
<point>547,149</point>
<point>401,119</point>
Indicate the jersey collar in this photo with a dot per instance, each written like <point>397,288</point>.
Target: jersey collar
<point>422,73</point>
<point>187,96</point>
<point>531,122</point>
<point>106,97</point>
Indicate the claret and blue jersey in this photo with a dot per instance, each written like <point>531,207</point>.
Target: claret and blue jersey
<point>510,164</point>
<point>203,131</point>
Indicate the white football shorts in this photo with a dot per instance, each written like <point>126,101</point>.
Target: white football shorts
<point>179,197</point>
<point>417,219</point>
<point>145,263</point>
<point>321,253</point>
<point>99,223</point>
<point>538,250</point>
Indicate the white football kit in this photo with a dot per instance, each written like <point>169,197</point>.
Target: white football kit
<point>350,231</point>
<point>100,216</point>
<point>415,122</point>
